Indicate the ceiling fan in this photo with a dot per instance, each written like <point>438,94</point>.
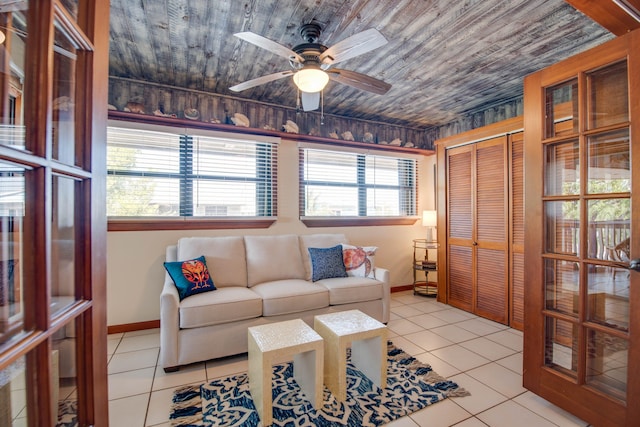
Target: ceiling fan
<point>312,63</point>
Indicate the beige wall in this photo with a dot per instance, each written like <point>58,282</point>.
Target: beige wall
<point>134,259</point>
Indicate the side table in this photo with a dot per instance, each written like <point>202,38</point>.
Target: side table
<point>423,264</point>
<point>272,343</point>
<point>368,340</point>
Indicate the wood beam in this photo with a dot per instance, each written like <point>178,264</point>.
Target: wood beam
<point>608,14</point>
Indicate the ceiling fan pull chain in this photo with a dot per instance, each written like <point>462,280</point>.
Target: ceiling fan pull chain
<point>298,103</point>
<point>321,107</point>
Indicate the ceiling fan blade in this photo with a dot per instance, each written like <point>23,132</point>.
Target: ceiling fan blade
<point>269,45</point>
<point>260,81</point>
<point>310,101</point>
<point>359,81</point>
<point>352,46</point>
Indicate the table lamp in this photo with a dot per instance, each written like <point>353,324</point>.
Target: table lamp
<point>430,220</point>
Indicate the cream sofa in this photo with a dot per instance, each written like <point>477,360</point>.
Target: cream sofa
<point>259,280</point>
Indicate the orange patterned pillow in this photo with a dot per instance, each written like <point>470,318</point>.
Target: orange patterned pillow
<point>190,277</point>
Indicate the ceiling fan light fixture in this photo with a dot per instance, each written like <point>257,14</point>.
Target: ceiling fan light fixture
<point>311,79</point>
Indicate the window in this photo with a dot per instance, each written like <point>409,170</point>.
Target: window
<point>155,172</point>
<point>355,184</point>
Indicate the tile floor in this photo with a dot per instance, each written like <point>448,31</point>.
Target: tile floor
<point>480,355</point>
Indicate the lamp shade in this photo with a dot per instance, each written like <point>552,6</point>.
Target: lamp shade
<point>311,79</point>
<point>429,218</point>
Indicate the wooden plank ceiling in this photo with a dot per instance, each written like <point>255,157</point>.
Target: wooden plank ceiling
<point>444,58</point>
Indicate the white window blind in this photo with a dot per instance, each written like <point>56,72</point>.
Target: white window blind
<point>355,184</point>
<point>163,174</point>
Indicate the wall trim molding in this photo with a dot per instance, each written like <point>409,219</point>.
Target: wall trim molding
<point>131,327</point>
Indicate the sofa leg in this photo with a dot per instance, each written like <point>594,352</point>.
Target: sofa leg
<point>171,369</point>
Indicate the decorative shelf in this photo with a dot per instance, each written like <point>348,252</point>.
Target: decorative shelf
<point>196,124</point>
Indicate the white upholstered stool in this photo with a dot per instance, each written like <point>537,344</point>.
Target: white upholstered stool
<point>368,340</point>
<point>273,343</point>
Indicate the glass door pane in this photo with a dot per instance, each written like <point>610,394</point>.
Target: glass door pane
<point>562,282</point>
<point>64,371</point>
<point>562,168</point>
<point>562,227</point>
<point>64,96</point>
<point>12,207</point>
<point>13,395</point>
<point>608,95</point>
<point>609,162</point>
<point>63,245</point>
<point>562,109</point>
<point>561,346</point>
<point>72,8</point>
<point>607,361</point>
<point>13,32</point>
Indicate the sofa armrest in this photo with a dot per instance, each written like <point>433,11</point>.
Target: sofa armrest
<point>169,318</point>
<point>383,275</point>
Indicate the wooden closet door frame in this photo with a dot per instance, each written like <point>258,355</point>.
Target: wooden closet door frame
<point>501,128</point>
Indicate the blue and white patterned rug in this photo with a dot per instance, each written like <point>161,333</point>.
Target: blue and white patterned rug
<point>411,385</point>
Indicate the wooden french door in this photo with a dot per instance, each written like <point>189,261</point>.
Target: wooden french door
<point>582,233</point>
<point>53,97</point>
<point>477,228</point>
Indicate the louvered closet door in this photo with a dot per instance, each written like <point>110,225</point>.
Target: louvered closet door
<point>460,227</point>
<point>490,242</point>
<point>478,229</point>
<point>516,142</point>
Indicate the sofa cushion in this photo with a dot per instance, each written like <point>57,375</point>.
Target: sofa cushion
<point>291,296</point>
<point>326,263</point>
<point>359,261</point>
<point>191,276</point>
<point>352,289</point>
<point>272,258</point>
<point>317,241</point>
<point>222,306</point>
<point>225,257</point>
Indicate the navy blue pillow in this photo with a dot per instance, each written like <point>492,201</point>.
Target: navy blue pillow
<point>327,263</point>
<point>190,277</point>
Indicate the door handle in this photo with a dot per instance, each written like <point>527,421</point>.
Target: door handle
<point>634,264</point>
<point>476,244</point>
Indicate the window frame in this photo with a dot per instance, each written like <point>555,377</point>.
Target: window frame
<point>148,223</point>
<point>361,185</point>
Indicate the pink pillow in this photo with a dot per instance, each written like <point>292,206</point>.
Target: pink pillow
<point>359,261</point>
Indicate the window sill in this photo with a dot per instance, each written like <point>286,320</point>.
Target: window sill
<point>152,224</point>
<point>357,221</point>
